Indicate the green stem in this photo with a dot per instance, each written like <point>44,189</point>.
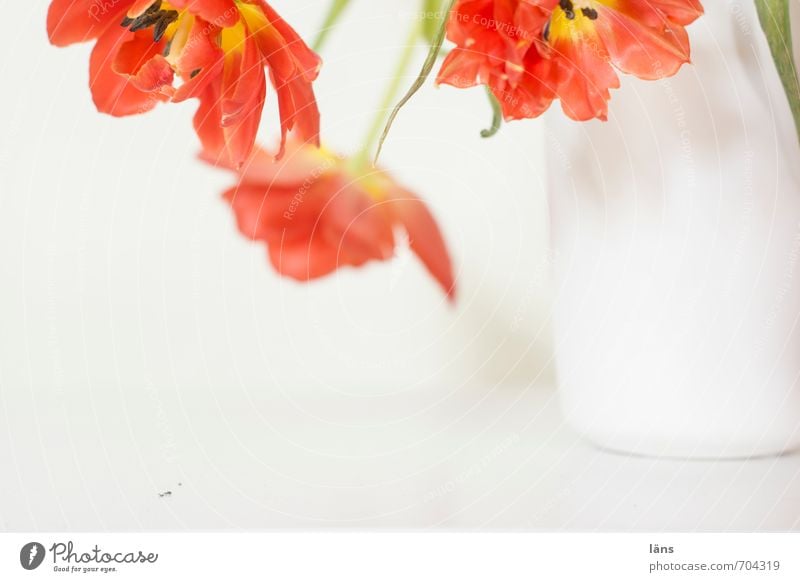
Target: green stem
<point>774,18</point>
<point>334,13</point>
<point>390,95</point>
<point>497,115</point>
<point>427,67</point>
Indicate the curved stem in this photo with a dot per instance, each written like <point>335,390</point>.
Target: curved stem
<point>497,115</point>
<point>427,67</point>
<point>390,95</point>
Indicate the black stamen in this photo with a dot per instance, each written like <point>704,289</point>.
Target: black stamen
<point>144,21</point>
<point>159,29</point>
<point>546,31</point>
<point>194,73</point>
<point>568,8</point>
<point>154,7</point>
<point>155,17</point>
<point>589,13</point>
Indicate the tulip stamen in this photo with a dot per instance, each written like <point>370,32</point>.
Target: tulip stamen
<point>589,13</point>
<point>568,8</point>
<point>153,17</point>
<point>154,7</point>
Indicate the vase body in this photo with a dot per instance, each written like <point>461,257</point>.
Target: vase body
<point>676,243</point>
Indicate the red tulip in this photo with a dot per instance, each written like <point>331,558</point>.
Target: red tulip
<point>646,38</point>
<point>500,44</point>
<point>317,212</point>
<point>530,52</point>
<point>149,51</point>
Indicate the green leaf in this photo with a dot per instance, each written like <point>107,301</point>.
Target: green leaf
<point>775,21</point>
<point>497,115</point>
<point>427,67</point>
<point>334,13</point>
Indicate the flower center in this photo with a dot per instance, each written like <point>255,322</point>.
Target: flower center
<point>159,16</point>
<point>572,9</point>
<point>176,25</point>
<point>573,19</point>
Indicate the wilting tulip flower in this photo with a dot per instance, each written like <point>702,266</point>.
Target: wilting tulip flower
<point>530,52</point>
<point>646,38</point>
<point>318,212</point>
<point>500,45</point>
<point>149,51</point>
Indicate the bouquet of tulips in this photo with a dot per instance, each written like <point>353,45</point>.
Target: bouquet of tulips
<point>314,210</point>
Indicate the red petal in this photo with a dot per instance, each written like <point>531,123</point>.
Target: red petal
<point>247,202</point>
<point>307,60</point>
<point>139,7</point>
<point>295,167</point>
<point>246,78</point>
<point>141,60</point>
<point>207,125</point>
<point>112,92</point>
<point>460,68</point>
<point>241,111</point>
<point>653,12</point>
<point>71,21</point>
<point>298,108</point>
<point>220,13</point>
<point>425,238</point>
<point>648,53</point>
<point>357,224</point>
<point>584,78</point>
<point>201,53</point>
<point>304,260</point>
<point>229,141</point>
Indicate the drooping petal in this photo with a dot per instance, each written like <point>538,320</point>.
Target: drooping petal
<point>425,238</point>
<point>292,68</point>
<point>360,226</point>
<point>330,214</point>
<point>140,60</point>
<point>244,76</point>
<point>230,110</point>
<point>207,126</point>
<point>304,260</point>
<point>533,93</point>
<point>497,46</point>
<point>585,75</point>
<point>647,52</point>
<point>461,68</point>
<point>241,136</point>
<point>242,103</point>
<point>308,62</point>
<point>247,202</point>
<point>112,92</point>
<point>299,165</point>
<point>298,109</point>
<point>200,60</point>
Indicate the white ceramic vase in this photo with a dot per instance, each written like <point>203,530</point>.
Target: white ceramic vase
<point>676,241</point>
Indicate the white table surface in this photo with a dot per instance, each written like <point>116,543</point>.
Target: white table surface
<point>456,458</point>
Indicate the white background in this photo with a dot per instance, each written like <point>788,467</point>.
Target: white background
<point>147,347</point>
